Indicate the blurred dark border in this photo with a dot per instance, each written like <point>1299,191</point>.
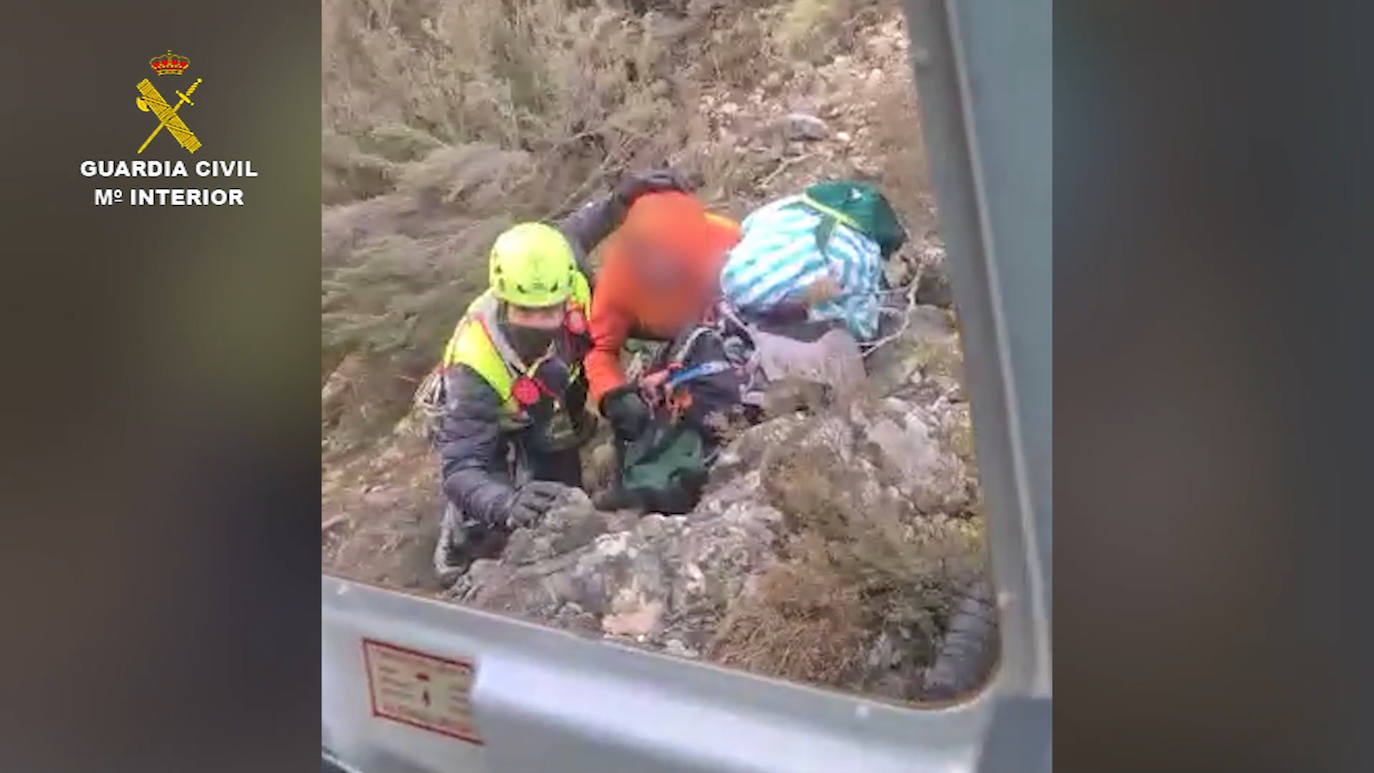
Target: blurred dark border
<point>160,485</point>
<point>1212,386</point>
<point>1212,394</point>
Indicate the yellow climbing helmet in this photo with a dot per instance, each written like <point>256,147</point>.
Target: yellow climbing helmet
<point>532,264</point>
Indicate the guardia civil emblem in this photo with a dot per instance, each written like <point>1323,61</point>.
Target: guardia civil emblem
<point>167,115</point>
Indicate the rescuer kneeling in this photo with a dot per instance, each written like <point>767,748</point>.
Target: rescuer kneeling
<point>514,392</point>
<point>515,411</point>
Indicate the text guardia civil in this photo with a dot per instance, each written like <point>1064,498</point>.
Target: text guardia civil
<point>160,196</point>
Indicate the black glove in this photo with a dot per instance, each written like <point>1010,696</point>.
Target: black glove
<point>649,181</point>
<point>532,500</point>
<point>625,410</point>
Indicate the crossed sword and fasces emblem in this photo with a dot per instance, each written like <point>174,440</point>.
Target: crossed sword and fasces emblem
<point>167,115</point>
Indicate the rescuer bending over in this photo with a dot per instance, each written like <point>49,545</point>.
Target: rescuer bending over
<point>515,392</point>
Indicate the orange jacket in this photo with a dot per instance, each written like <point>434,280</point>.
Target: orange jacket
<point>624,301</point>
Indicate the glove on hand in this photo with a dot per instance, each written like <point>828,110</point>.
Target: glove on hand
<point>532,500</point>
<point>649,181</point>
<point>625,410</point>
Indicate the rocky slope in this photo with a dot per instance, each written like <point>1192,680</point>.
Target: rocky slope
<point>831,544</point>
<point>834,543</point>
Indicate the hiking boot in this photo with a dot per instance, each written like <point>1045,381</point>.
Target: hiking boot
<point>451,558</point>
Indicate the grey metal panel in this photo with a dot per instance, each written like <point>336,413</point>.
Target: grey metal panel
<point>549,700</point>
<point>983,79</point>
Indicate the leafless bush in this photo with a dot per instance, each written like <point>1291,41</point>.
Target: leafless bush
<point>575,84</point>
<point>446,121</point>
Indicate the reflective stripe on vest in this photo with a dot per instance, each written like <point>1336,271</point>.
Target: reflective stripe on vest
<point>477,342</point>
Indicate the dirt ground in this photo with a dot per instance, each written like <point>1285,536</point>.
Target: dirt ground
<point>380,525</point>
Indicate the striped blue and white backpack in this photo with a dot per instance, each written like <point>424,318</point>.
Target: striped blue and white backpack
<point>824,248</point>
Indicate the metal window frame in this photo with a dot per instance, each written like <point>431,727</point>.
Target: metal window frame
<point>982,72</point>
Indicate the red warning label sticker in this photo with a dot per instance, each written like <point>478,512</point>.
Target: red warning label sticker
<point>421,690</point>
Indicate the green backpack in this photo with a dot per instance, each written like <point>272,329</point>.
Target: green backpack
<point>665,468</point>
<point>859,206</point>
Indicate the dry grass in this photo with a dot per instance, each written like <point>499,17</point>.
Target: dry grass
<point>817,29</point>
<point>900,144</point>
<point>576,85</point>
<point>446,121</point>
<point>854,566</point>
<point>801,625</point>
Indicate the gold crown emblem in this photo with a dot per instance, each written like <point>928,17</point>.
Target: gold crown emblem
<point>169,63</point>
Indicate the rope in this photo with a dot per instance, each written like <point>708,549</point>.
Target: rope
<point>910,290</point>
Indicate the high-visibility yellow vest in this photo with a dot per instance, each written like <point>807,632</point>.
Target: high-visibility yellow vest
<point>477,342</point>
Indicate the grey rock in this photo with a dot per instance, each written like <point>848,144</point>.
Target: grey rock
<point>569,525</point>
<point>934,288</point>
<point>633,583</point>
<point>803,126</point>
<point>913,448</point>
<point>677,647</point>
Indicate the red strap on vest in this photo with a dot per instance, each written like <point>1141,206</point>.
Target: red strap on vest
<point>525,388</point>
<point>575,322</point>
